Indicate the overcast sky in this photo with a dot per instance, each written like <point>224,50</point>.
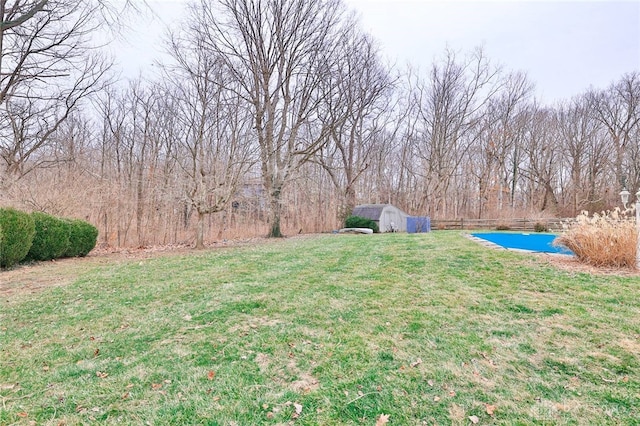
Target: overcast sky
<point>565,47</point>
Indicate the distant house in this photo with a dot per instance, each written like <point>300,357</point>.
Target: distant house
<point>389,218</point>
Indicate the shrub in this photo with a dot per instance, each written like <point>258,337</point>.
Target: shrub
<point>540,227</point>
<point>18,230</point>
<point>51,240</point>
<point>82,238</point>
<point>606,239</point>
<point>361,222</point>
<point>503,228</point>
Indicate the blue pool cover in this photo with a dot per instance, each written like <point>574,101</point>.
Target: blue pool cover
<point>534,242</point>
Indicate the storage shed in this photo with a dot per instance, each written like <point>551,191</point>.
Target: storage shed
<point>388,217</point>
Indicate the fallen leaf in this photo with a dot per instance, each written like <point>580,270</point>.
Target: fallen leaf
<point>416,363</point>
<point>167,382</point>
<point>96,353</point>
<point>625,379</point>
<point>298,408</point>
<point>382,420</point>
<point>156,386</point>
<point>430,383</point>
<point>211,375</point>
<point>187,317</point>
<point>22,414</point>
<point>490,409</point>
<point>474,419</point>
<point>125,395</point>
<point>436,398</point>
<point>452,393</point>
<point>45,368</point>
<point>269,415</point>
<point>102,374</point>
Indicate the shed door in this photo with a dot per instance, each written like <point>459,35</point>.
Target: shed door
<point>390,222</point>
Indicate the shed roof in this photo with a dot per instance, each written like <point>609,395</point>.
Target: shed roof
<point>370,211</point>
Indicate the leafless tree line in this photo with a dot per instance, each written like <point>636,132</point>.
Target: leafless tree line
<point>279,116</point>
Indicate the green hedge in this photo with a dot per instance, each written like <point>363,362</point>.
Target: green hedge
<point>361,222</point>
<point>18,230</point>
<point>82,238</point>
<point>40,236</point>
<point>52,237</point>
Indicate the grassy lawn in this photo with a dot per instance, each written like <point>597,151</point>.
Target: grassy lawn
<point>330,330</point>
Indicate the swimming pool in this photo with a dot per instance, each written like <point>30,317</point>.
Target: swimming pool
<point>538,242</point>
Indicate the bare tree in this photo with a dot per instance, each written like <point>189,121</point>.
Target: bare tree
<point>278,52</point>
<point>496,155</point>
<point>357,105</point>
<point>618,109</point>
<point>585,153</point>
<point>542,165</point>
<point>48,64</point>
<point>215,150</point>
<point>451,104</point>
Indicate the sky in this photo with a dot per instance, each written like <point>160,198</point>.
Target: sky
<point>565,47</point>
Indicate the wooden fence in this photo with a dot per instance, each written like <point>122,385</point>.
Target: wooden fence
<point>552,224</point>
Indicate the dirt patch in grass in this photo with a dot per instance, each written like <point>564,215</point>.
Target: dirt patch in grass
<point>253,324</point>
<point>305,381</point>
<point>33,278</point>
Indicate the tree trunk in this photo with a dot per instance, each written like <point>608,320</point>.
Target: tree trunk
<point>200,231</point>
<point>140,206</point>
<point>348,203</point>
<point>275,211</point>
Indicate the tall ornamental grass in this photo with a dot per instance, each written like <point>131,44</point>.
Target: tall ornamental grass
<point>606,239</point>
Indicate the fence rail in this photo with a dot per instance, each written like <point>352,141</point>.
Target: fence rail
<point>524,224</point>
